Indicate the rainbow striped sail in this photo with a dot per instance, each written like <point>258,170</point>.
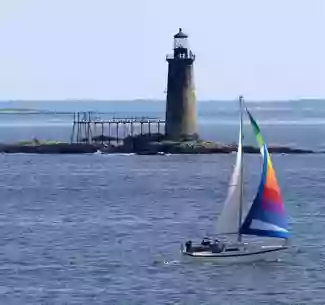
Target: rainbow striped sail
<point>266,216</point>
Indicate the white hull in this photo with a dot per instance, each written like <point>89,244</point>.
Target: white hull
<point>247,254</point>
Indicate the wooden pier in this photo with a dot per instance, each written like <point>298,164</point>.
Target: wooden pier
<point>89,128</point>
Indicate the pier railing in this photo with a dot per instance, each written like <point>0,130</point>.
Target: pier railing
<point>89,127</point>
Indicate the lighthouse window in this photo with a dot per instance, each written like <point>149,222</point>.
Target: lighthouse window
<point>180,43</point>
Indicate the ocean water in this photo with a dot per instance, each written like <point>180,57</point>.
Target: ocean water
<point>106,229</point>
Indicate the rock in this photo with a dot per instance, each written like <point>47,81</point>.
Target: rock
<point>60,148</point>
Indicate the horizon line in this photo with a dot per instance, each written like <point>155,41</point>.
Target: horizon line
<point>158,100</point>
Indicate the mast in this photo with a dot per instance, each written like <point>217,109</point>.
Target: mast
<point>241,171</point>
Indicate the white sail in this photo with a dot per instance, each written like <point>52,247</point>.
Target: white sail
<point>228,221</point>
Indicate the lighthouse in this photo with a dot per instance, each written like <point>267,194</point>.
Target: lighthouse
<point>181,100</point>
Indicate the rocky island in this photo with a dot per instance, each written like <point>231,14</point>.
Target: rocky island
<point>143,145</point>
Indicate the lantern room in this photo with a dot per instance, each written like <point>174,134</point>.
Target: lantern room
<point>180,45</point>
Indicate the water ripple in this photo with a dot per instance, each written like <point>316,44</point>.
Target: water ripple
<point>78,231</point>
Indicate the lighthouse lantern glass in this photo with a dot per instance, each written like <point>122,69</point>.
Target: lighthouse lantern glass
<point>180,43</point>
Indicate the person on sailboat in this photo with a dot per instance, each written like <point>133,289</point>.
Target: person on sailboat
<point>188,246</point>
<point>205,241</point>
<point>218,246</point>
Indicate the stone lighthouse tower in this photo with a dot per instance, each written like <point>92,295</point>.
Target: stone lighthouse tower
<point>181,100</point>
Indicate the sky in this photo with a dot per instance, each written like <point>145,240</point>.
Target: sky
<point>115,49</point>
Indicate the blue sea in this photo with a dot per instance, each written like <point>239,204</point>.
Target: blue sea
<point>106,229</point>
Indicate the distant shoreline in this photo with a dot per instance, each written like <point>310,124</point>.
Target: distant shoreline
<point>149,100</point>
<point>37,106</point>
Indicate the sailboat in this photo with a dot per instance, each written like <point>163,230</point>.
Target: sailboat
<point>265,217</point>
